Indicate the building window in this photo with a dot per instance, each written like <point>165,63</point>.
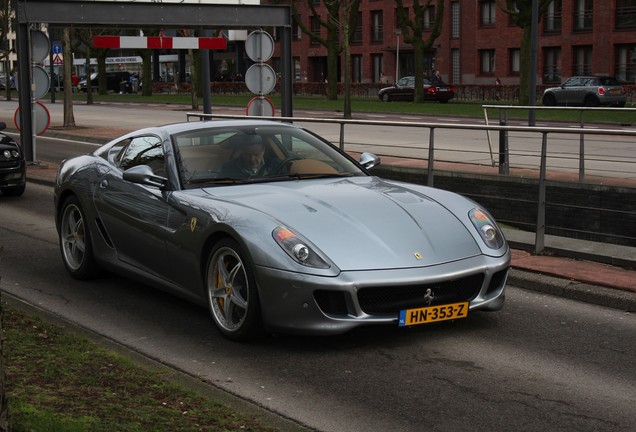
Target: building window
<point>377,27</point>
<point>552,20</point>
<point>377,68</point>
<point>356,68</point>
<point>397,17</point>
<point>552,65</point>
<point>582,61</point>
<point>487,62</point>
<point>514,59</point>
<point>514,7</point>
<point>296,69</point>
<point>626,63</point>
<point>456,65</point>
<point>455,22</point>
<point>583,13</point>
<point>428,19</point>
<point>315,28</point>
<point>625,14</point>
<point>487,10</point>
<point>357,34</point>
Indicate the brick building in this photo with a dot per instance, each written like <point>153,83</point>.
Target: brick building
<point>479,43</point>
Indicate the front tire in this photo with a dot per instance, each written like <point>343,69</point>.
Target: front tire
<point>231,292</point>
<point>549,100</point>
<point>75,241</point>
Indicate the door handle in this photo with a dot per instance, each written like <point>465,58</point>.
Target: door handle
<point>103,184</point>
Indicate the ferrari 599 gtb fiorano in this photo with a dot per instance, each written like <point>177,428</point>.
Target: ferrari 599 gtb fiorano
<point>274,229</point>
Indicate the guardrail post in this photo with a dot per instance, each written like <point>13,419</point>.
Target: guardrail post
<point>431,157</point>
<point>503,144</point>
<point>342,133</point>
<point>582,151</point>
<point>539,242</point>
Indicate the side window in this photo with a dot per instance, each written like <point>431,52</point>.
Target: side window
<point>145,150</point>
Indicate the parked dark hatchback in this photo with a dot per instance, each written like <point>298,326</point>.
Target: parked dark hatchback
<point>404,90</point>
<point>587,91</point>
<point>114,81</point>
<point>12,166</point>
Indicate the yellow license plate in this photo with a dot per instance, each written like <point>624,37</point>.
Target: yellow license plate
<point>431,314</point>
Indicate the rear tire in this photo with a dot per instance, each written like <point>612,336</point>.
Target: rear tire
<point>75,241</point>
<point>386,97</point>
<point>591,101</point>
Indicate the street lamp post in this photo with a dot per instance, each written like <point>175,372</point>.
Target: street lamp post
<point>397,32</point>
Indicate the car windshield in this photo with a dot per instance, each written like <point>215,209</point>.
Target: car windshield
<point>235,155</point>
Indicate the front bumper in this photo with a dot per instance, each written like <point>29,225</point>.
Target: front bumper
<point>300,303</point>
<point>12,174</point>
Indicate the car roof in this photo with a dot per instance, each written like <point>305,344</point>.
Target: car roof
<point>181,127</point>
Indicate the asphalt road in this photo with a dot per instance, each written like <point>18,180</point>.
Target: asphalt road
<point>542,364</point>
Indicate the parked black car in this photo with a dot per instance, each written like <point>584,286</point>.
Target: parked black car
<point>114,82</point>
<point>404,90</point>
<point>12,166</point>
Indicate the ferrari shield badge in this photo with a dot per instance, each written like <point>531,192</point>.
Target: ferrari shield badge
<point>193,224</point>
<point>418,256</point>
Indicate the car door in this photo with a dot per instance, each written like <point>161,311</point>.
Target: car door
<point>571,93</point>
<point>135,216</point>
<point>405,89</point>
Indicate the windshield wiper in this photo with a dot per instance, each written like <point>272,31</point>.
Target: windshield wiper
<point>224,180</point>
<point>307,176</point>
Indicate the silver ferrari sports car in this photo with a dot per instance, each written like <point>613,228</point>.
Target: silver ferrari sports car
<point>274,229</point>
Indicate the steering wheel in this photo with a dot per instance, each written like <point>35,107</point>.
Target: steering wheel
<point>280,167</point>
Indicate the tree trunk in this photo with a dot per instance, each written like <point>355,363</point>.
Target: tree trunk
<point>4,404</point>
<point>69,117</point>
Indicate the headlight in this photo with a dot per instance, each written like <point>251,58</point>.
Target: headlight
<point>297,249</point>
<point>11,154</point>
<point>487,228</point>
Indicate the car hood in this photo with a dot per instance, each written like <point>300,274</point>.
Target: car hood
<point>7,143</point>
<point>361,223</point>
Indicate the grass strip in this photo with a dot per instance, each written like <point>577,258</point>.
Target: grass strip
<point>60,382</point>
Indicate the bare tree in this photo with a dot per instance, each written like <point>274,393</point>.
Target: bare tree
<point>520,12</point>
<point>413,29</point>
<point>6,15</point>
<point>69,117</point>
<point>334,44</point>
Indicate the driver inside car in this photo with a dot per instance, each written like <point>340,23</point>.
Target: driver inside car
<point>250,162</point>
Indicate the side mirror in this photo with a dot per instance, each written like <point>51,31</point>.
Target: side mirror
<point>143,174</point>
<point>369,160</point>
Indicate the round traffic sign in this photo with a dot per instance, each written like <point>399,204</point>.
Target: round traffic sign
<point>260,78</point>
<point>41,82</point>
<point>56,47</point>
<point>259,46</point>
<point>260,106</point>
<point>40,46</point>
<point>41,118</point>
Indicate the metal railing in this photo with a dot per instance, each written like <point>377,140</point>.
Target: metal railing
<point>430,148</point>
<point>503,135</point>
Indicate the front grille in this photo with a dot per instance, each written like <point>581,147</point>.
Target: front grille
<point>392,299</point>
<point>9,163</point>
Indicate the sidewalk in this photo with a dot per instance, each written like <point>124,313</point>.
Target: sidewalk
<point>598,273</point>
